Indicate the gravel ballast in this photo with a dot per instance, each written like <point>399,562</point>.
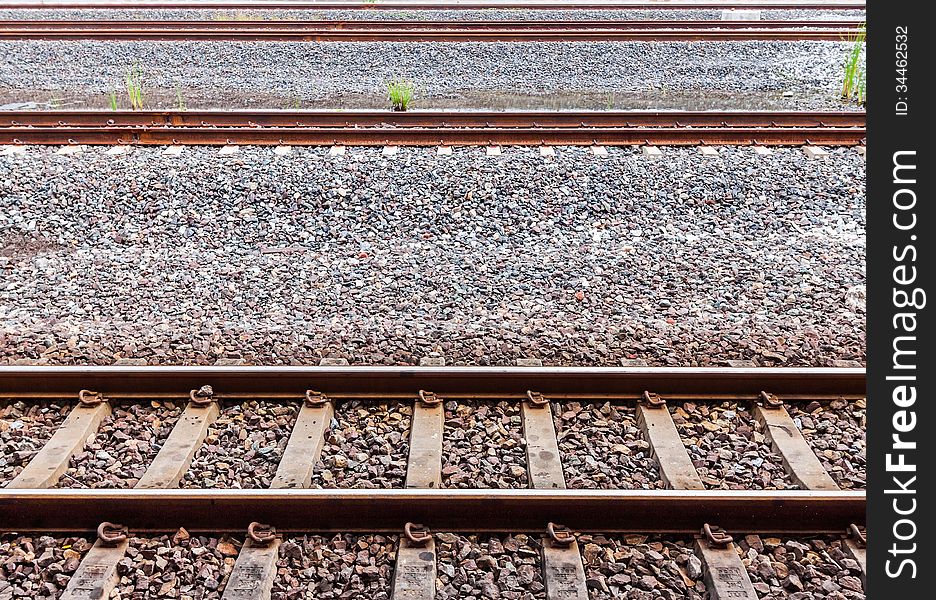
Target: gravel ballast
<point>638,567</point>
<point>481,75</point>
<point>124,446</point>
<point>483,445</point>
<point>728,448</point>
<point>343,566</point>
<point>243,447</point>
<point>602,447</point>
<point>576,259</point>
<point>366,446</point>
<point>836,433</point>
<point>178,566</point>
<point>24,429</point>
<point>472,567</point>
<point>38,566</point>
<point>800,568</point>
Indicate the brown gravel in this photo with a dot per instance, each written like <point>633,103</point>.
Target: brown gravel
<point>836,433</point>
<point>124,446</point>
<point>179,566</point>
<point>726,447</point>
<point>24,428</point>
<point>483,446</point>
<point>602,447</point>
<point>38,566</point>
<point>344,566</point>
<point>243,447</point>
<point>640,568</point>
<point>802,569</point>
<point>490,567</point>
<point>366,447</point>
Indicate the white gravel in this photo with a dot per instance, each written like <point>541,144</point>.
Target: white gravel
<point>700,75</point>
<point>575,259</point>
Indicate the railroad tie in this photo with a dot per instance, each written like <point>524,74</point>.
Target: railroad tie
<point>544,466</point>
<point>96,576</point>
<point>424,465</point>
<point>855,545</point>
<point>255,568</point>
<point>305,443</point>
<point>676,469</point>
<point>724,573</point>
<point>563,570</point>
<point>785,438</point>
<point>414,575</point>
<point>175,457</point>
<point>48,465</point>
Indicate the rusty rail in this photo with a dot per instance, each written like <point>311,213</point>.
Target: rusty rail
<point>659,511</point>
<point>368,128</point>
<point>428,31</point>
<point>428,118</point>
<point>382,382</point>
<point>470,5</point>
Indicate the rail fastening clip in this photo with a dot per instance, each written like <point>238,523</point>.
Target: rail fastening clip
<point>770,400</point>
<point>203,396</point>
<point>315,399</point>
<point>260,534</point>
<point>418,535</point>
<point>859,535</point>
<point>716,537</point>
<point>536,399</point>
<point>89,398</point>
<point>429,398</point>
<point>110,534</point>
<point>653,400</point>
<point>560,535</point>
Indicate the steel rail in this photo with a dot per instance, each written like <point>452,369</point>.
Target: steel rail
<point>428,136</point>
<point>311,510</point>
<point>408,381</point>
<point>421,118</point>
<point>665,34</point>
<point>318,25</point>
<point>380,6</point>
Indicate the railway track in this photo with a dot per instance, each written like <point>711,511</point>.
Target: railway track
<point>552,514</point>
<point>429,128</point>
<point>417,6</point>
<point>429,31</point>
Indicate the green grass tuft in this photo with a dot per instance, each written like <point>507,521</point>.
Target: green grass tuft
<point>134,82</point>
<point>400,93</point>
<point>854,82</point>
<point>112,98</point>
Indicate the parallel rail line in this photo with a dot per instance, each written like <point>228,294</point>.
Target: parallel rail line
<point>819,507</point>
<point>428,31</point>
<point>380,6</point>
<point>429,128</point>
